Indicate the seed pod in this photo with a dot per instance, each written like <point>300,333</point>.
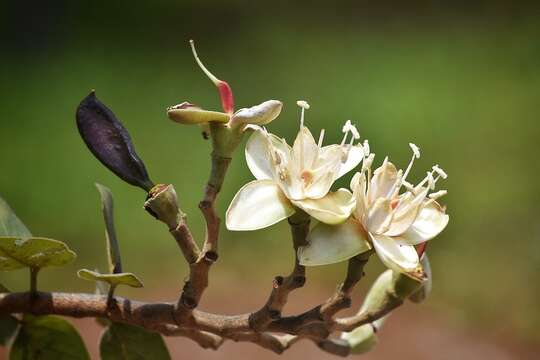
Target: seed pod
<point>110,142</point>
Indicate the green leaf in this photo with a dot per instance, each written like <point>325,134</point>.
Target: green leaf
<point>34,252</point>
<point>113,279</point>
<point>47,338</point>
<point>10,225</point>
<point>113,249</point>
<point>128,342</point>
<point>8,326</point>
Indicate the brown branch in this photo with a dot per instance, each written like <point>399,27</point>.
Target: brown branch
<point>273,342</point>
<point>198,275</point>
<point>205,339</point>
<point>282,286</point>
<point>341,299</point>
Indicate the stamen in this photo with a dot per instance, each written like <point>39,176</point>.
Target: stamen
<point>440,171</point>
<point>431,180</point>
<point>368,162</point>
<point>321,138</point>
<point>366,148</point>
<point>437,194</point>
<point>415,149</point>
<point>305,106</point>
<point>408,186</point>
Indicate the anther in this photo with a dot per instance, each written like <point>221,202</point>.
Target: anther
<point>437,194</point>
<point>440,171</point>
<point>415,149</point>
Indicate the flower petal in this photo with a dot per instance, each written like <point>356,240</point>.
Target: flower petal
<point>431,220</point>
<point>379,216</point>
<point>383,181</point>
<point>358,186</point>
<point>328,244</point>
<point>354,155</point>
<point>305,150</point>
<point>258,204</point>
<point>406,212</point>
<point>259,155</point>
<point>194,115</point>
<point>334,208</point>
<point>401,258</point>
<point>259,114</point>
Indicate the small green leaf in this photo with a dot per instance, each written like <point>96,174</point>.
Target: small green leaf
<point>47,338</point>
<point>10,225</point>
<point>8,326</point>
<point>34,252</point>
<point>127,342</point>
<point>113,279</point>
<point>113,249</point>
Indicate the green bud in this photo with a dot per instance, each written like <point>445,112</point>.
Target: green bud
<point>162,203</point>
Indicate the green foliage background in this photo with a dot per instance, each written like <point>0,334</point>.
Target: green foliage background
<point>460,81</point>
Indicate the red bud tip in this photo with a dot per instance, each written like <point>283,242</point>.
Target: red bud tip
<point>225,91</point>
<point>420,249</point>
<point>226,95</point>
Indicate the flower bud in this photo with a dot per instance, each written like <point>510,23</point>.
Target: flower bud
<point>257,115</point>
<point>162,203</point>
<point>187,113</point>
<point>110,142</point>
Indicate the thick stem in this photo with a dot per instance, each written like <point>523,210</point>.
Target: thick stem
<point>283,286</point>
<point>199,270</point>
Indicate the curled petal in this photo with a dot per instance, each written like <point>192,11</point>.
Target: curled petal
<point>258,204</point>
<point>259,114</point>
<point>328,244</point>
<point>431,220</point>
<point>383,181</point>
<point>334,208</point>
<point>188,114</point>
<point>379,216</point>
<point>400,258</point>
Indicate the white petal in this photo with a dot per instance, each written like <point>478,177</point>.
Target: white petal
<point>401,258</point>
<point>431,220</point>
<point>305,150</point>
<point>258,204</point>
<point>355,154</point>
<point>384,179</point>
<point>358,186</point>
<point>259,114</point>
<point>328,244</point>
<point>379,216</point>
<point>405,213</point>
<point>334,208</point>
<point>258,153</point>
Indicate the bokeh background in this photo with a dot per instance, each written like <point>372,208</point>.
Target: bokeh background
<point>460,79</point>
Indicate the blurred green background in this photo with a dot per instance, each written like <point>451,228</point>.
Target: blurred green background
<point>461,81</point>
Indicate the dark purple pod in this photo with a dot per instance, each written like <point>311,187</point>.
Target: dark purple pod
<point>110,142</point>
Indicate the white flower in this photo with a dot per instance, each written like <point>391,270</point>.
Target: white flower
<point>290,178</point>
<point>390,222</point>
